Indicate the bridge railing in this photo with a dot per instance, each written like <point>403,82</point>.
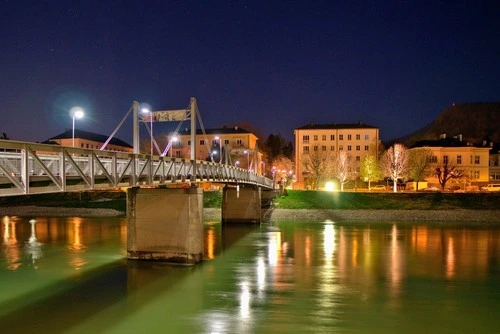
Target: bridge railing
<point>28,168</point>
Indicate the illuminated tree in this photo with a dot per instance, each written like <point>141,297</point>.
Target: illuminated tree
<point>342,170</point>
<point>282,168</point>
<point>448,171</point>
<point>318,166</point>
<point>394,163</point>
<point>420,164</point>
<point>370,169</point>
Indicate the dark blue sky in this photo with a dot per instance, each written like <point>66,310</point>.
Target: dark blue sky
<point>275,64</point>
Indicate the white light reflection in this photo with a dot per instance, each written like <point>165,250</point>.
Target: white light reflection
<point>274,249</point>
<point>33,247</point>
<point>328,273</point>
<point>329,241</point>
<point>261,275</point>
<point>245,299</point>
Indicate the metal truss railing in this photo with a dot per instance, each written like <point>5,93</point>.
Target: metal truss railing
<point>29,168</point>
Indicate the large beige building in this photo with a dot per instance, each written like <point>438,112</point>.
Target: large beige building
<point>474,160</point>
<point>358,140</point>
<point>238,146</point>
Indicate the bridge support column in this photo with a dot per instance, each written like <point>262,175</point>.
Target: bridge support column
<point>241,204</point>
<point>165,224</point>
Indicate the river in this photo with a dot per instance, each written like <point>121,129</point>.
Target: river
<point>71,275</point>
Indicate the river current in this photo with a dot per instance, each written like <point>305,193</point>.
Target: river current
<point>71,275</point>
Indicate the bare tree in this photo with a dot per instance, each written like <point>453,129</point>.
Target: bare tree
<point>420,164</point>
<point>448,171</point>
<point>342,169</point>
<point>394,163</point>
<point>318,165</point>
<point>370,169</point>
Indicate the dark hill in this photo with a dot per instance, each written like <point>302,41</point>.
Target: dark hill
<point>474,121</point>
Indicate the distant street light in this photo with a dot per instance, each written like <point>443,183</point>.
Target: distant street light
<point>248,159</point>
<point>237,163</point>
<point>147,111</point>
<point>220,148</point>
<point>76,112</point>
<point>174,140</point>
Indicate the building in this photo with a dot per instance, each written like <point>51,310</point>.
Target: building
<point>494,163</point>
<point>474,160</point>
<point>239,144</point>
<point>358,140</point>
<point>89,140</point>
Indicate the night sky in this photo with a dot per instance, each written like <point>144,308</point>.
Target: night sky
<point>277,65</point>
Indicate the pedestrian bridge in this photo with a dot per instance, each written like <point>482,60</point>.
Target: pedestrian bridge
<point>33,168</point>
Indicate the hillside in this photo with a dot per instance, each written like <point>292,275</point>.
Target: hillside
<point>475,121</point>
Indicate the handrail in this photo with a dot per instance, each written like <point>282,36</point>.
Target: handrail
<point>29,168</point>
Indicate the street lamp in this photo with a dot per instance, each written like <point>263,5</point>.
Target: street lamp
<point>237,163</point>
<point>76,112</point>
<point>147,111</point>
<point>174,140</point>
<point>248,159</point>
<point>220,148</point>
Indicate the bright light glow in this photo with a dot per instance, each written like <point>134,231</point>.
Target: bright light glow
<point>145,110</point>
<point>330,186</point>
<point>76,112</point>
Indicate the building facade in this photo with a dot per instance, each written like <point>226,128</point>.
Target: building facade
<point>473,160</point>
<point>89,140</point>
<point>357,140</point>
<point>229,145</point>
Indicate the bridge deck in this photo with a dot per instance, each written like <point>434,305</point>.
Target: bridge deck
<point>29,168</point>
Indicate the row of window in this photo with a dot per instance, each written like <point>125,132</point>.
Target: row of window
<point>216,142</point>
<point>91,146</point>
<point>305,148</point>
<point>474,159</point>
<point>305,138</point>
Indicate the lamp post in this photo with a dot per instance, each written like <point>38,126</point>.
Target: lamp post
<point>147,111</point>
<point>263,168</point>
<point>248,159</point>
<point>76,112</point>
<point>220,148</point>
<point>174,140</point>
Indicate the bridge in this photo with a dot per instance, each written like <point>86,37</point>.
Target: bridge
<point>164,223</point>
<point>31,168</point>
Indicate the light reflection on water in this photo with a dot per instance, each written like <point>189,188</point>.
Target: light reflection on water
<point>71,275</point>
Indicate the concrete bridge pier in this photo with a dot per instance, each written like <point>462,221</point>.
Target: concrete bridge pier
<point>165,224</point>
<point>241,204</point>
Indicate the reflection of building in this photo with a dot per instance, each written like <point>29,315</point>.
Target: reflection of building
<point>358,140</point>
<point>472,159</point>
<point>89,140</point>
<point>240,145</point>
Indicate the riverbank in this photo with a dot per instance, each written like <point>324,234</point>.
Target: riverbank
<point>271,215</point>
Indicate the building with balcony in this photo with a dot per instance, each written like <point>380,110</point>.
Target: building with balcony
<point>358,140</point>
